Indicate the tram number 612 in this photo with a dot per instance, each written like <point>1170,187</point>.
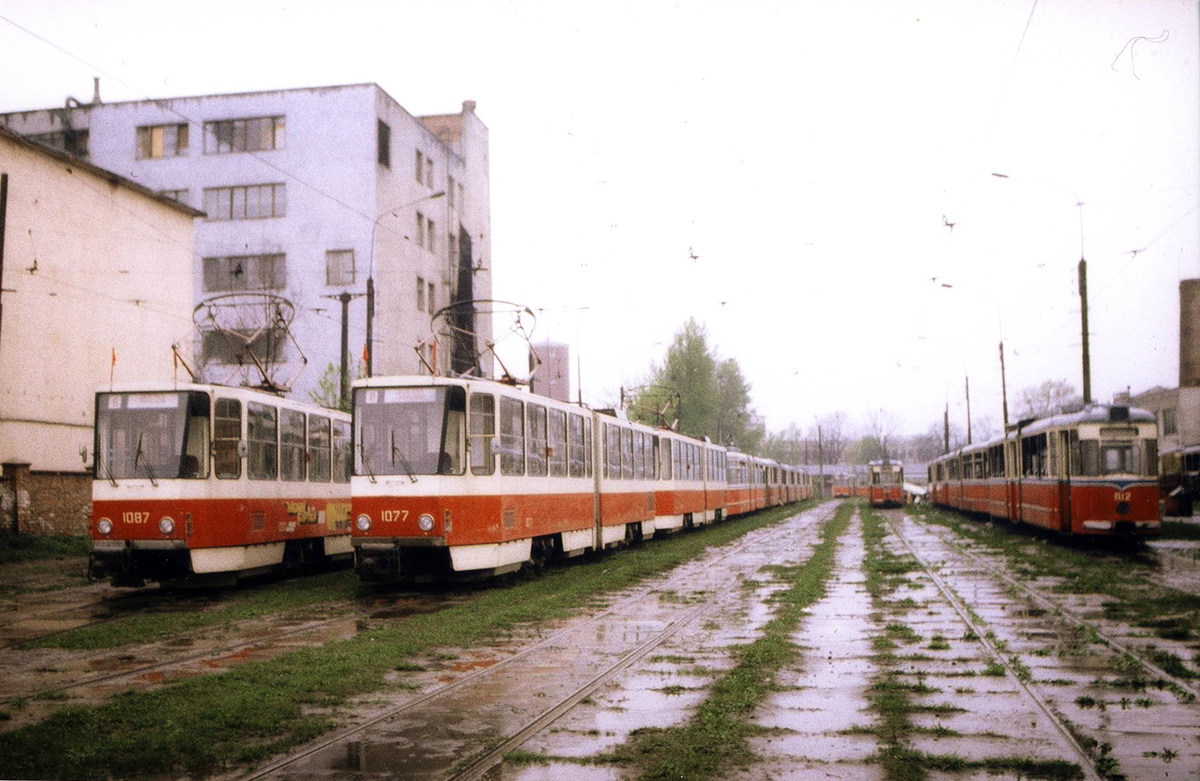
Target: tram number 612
<point>1122,496</point>
<point>392,516</point>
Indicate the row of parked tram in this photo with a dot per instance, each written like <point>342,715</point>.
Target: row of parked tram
<point>1087,473</point>
<point>430,478</point>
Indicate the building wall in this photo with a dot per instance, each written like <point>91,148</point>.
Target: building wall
<point>339,197</point>
<point>1189,333</point>
<point>93,268</point>
<point>553,376</point>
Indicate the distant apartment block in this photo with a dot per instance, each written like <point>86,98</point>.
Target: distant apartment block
<point>550,370</point>
<point>308,193</point>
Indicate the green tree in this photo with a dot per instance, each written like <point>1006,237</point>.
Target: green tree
<point>702,394</point>
<point>329,387</point>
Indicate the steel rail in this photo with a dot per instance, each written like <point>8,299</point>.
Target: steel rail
<point>980,631</point>
<point>553,639</point>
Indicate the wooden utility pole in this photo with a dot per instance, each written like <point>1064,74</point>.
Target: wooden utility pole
<point>968,379</point>
<point>1083,317</point>
<point>1003,386</point>
<point>946,430</point>
<point>821,462</point>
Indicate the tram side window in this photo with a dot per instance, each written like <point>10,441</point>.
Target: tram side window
<point>627,454</point>
<point>227,432</point>
<point>343,457</point>
<point>262,432</point>
<point>536,451</point>
<point>512,437</point>
<point>587,446</point>
<point>291,445</point>
<point>558,443</point>
<point>318,449</point>
<point>575,452</point>
<point>639,455</point>
<point>483,431</point>
<point>1033,456</point>
<point>676,459</point>
<point>612,452</point>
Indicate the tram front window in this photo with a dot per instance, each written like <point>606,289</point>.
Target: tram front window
<point>152,435</point>
<point>1120,458</point>
<point>409,431</point>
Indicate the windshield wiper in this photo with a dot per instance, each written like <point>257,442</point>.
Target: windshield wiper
<point>137,456</point>
<point>403,461</point>
<point>108,472</point>
<point>362,452</point>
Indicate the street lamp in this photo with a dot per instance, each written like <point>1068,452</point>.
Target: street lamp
<point>371,273</point>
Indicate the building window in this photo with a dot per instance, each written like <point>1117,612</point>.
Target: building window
<point>384,144</point>
<point>236,346</point>
<point>155,141</point>
<point>420,229</point>
<point>432,298</point>
<point>177,195</point>
<point>243,135</point>
<point>1169,424</point>
<point>339,267</point>
<point>430,235</point>
<point>245,272</point>
<point>450,191</point>
<point>250,202</point>
<point>420,294</point>
<point>452,243</point>
<point>420,168</point>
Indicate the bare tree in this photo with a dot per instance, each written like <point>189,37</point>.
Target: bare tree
<point>1050,398</point>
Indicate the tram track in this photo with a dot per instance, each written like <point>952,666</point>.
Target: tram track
<point>480,765</point>
<point>964,612</point>
<point>1074,619</point>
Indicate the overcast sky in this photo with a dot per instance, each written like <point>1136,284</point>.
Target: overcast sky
<point>809,154</point>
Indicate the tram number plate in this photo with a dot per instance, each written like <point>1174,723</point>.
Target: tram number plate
<point>1122,496</point>
<point>393,516</point>
<point>135,517</point>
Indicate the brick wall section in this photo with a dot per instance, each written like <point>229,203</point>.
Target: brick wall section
<point>45,502</point>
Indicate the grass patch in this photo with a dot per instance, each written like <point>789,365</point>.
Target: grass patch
<point>269,598</point>
<point>34,547</point>
<point>713,741</point>
<point>206,723</point>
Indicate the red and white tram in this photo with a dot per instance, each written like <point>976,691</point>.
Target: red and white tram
<point>463,477</point>
<point>205,483</point>
<point>885,483</point>
<point>1088,473</point>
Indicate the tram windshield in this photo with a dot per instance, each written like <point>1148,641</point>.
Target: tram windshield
<point>152,435</point>
<point>409,431</point>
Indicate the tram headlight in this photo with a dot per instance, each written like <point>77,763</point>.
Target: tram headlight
<point>363,523</point>
<point>104,526</point>
<point>166,525</point>
<point>425,522</point>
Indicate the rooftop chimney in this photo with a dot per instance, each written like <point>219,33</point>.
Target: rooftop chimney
<point>469,105</point>
<point>96,91</point>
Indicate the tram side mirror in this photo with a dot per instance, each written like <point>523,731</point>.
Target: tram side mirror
<point>243,448</point>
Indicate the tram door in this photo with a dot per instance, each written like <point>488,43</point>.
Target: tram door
<point>1060,462</point>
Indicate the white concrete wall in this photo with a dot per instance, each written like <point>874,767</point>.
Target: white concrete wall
<point>335,190</point>
<point>113,271</point>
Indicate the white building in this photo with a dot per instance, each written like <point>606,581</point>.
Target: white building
<point>97,285</point>
<point>308,193</point>
<point>550,370</point>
